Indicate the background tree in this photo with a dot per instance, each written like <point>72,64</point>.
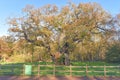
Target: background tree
<point>5,48</point>
<point>113,53</point>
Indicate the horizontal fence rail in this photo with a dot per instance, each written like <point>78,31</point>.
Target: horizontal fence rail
<point>55,70</point>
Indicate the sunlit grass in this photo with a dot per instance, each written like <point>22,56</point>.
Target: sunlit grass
<point>18,69</point>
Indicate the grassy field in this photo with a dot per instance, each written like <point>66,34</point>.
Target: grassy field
<point>48,68</point>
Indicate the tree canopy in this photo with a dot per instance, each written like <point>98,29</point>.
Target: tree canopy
<point>74,32</point>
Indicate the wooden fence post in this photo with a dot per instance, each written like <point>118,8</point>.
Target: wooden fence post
<point>12,70</point>
<point>0,66</point>
<point>104,70</point>
<point>86,70</point>
<point>119,68</point>
<point>54,70</point>
<point>38,70</point>
<point>24,69</point>
<point>70,70</point>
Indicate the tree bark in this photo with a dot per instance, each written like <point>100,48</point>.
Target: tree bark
<point>67,60</point>
<point>53,59</point>
<point>32,53</point>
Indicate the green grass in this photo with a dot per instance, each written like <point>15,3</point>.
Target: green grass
<point>12,69</point>
<point>98,63</point>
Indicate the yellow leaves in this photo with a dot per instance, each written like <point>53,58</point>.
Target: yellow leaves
<point>65,10</point>
<point>36,20</point>
<point>53,47</point>
<point>28,8</point>
<point>13,21</point>
<point>49,9</point>
<point>90,11</point>
<point>50,19</point>
<point>75,23</point>
<point>46,32</point>
<point>15,29</point>
<point>55,8</point>
<point>4,48</point>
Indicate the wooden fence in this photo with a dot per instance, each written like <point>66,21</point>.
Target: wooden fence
<point>56,70</point>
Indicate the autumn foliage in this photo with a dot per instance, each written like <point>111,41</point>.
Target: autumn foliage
<point>81,32</point>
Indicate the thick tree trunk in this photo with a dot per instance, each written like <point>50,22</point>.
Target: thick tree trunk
<point>32,53</point>
<point>67,60</point>
<point>53,58</point>
<point>66,53</point>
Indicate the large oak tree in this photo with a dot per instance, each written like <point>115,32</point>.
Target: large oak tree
<point>65,27</point>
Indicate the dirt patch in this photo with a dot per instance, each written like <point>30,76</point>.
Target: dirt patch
<point>55,78</point>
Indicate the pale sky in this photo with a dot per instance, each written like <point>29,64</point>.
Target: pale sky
<point>13,8</point>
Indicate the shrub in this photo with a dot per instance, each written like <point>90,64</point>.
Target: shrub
<point>20,58</point>
<point>113,53</point>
